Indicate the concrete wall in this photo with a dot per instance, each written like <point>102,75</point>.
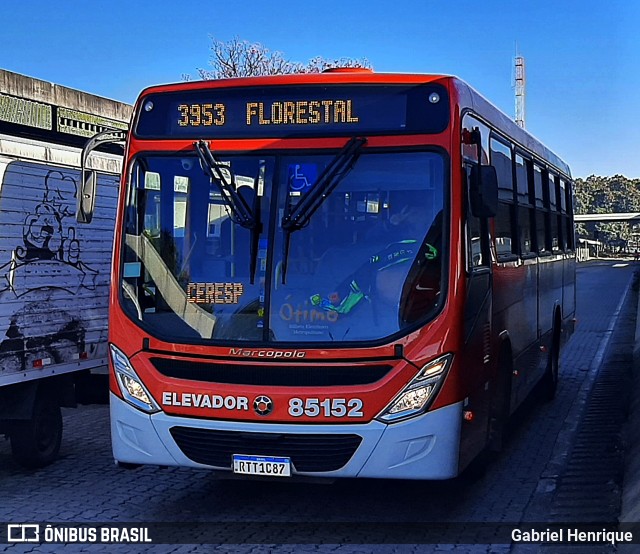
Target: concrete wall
<point>22,86</point>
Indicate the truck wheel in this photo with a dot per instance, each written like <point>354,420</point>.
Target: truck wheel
<point>36,442</point>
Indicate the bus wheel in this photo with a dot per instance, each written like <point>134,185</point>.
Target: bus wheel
<point>500,402</point>
<point>36,442</point>
<point>549,381</point>
<point>499,407</point>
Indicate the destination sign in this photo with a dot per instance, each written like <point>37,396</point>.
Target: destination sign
<point>294,111</point>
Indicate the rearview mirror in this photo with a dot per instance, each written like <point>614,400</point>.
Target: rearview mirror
<point>89,177</point>
<point>86,196</point>
<point>483,191</point>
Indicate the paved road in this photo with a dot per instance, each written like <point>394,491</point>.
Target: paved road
<point>519,486</point>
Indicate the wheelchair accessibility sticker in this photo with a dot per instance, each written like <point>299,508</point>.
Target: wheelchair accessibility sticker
<point>302,177</point>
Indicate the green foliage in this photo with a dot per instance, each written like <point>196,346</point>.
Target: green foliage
<point>616,194</point>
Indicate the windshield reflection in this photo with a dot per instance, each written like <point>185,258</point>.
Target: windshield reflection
<point>366,266</point>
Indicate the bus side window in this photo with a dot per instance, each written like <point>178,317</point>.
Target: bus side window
<point>474,249</point>
<point>541,214</point>
<point>476,229</point>
<point>477,235</point>
<point>566,223</point>
<point>554,218</point>
<point>505,229</point>
<point>524,209</point>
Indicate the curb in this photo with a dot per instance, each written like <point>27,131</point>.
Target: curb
<point>630,509</point>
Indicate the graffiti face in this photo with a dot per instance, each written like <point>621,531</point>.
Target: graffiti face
<point>50,254</point>
<point>43,233</point>
<point>43,230</point>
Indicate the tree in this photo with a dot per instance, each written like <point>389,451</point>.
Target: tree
<point>241,58</point>
<point>616,194</point>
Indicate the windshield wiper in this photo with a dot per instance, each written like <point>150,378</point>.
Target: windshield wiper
<point>298,217</point>
<point>258,187</point>
<point>240,211</point>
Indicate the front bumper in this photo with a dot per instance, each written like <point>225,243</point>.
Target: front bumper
<point>424,447</point>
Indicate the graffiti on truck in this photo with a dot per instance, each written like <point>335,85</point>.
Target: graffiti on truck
<point>50,254</point>
<point>44,271</point>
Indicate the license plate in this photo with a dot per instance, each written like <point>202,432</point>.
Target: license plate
<point>271,466</point>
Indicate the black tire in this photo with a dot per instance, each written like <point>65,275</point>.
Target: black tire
<point>36,442</point>
<point>500,403</point>
<point>549,381</point>
<point>498,420</point>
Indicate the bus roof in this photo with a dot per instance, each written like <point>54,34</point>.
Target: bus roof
<point>469,98</point>
<point>464,97</point>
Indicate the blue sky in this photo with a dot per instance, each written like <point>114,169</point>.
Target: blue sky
<point>582,57</point>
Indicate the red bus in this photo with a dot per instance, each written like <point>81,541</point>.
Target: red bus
<point>344,274</point>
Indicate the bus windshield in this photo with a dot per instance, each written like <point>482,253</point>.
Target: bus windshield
<point>366,265</point>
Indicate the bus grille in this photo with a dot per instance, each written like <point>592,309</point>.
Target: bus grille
<point>272,374</point>
<point>308,452</point>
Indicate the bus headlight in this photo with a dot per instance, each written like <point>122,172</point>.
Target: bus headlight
<point>132,389</point>
<point>414,398</point>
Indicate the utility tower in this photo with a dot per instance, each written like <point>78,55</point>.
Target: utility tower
<point>519,86</point>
